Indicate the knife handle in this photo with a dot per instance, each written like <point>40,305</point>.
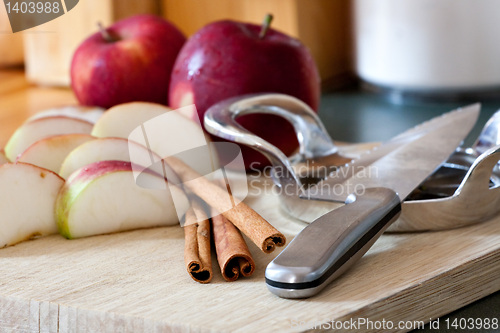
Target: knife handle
<point>331,244</point>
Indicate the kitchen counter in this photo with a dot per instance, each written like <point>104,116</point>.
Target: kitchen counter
<point>349,115</point>
<point>19,100</point>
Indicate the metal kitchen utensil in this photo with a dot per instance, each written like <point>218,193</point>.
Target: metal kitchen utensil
<point>224,114</point>
<point>315,145</point>
<point>489,136</point>
<point>317,158</point>
<point>330,245</point>
<point>445,181</point>
<point>462,192</point>
<point>476,199</point>
<point>316,148</point>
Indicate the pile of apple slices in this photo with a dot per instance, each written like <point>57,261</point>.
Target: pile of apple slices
<point>69,170</point>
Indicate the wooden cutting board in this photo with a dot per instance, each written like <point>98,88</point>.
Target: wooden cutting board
<point>136,281</point>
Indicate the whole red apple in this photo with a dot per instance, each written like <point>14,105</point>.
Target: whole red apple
<point>130,61</point>
<point>226,58</point>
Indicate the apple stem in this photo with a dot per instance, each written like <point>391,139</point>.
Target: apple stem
<point>265,25</point>
<point>104,33</point>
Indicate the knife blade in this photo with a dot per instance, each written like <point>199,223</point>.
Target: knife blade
<point>372,194</point>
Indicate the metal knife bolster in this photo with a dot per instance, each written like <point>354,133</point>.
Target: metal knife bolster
<point>330,245</point>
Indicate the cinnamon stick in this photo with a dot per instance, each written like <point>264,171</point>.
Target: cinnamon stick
<point>248,221</point>
<point>232,252</point>
<point>197,256</point>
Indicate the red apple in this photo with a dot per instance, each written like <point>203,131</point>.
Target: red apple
<point>130,61</point>
<point>226,58</point>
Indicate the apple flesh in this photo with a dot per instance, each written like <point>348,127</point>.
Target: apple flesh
<point>167,136</point>
<point>87,113</point>
<point>106,149</point>
<point>27,197</point>
<point>120,120</point>
<point>32,131</point>
<point>49,153</point>
<point>130,61</point>
<point>103,198</point>
<point>226,59</point>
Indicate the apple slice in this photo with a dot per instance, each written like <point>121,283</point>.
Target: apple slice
<point>3,158</point>
<point>121,119</point>
<point>27,197</point>
<point>38,129</point>
<point>49,153</point>
<point>87,113</point>
<point>103,198</point>
<point>169,133</point>
<point>103,149</point>
<point>166,136</point>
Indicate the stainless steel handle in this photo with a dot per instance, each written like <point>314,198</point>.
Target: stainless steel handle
<point>313,138</point>
<point>489,136</point>
<point>330,245</point>
<point>314,141</point>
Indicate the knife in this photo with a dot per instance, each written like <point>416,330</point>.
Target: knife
<point>373,194</point>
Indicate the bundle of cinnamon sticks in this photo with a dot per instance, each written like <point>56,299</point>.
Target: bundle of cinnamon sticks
<point>229,217</point>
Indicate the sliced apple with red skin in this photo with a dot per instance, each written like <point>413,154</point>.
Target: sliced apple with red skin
<point>87,113</point>
<point>103,198</point>
<point>102,149</point>
<point>49,153</point>
<point>3,158</point>
<point>27,197</point>
<point>38,129</point>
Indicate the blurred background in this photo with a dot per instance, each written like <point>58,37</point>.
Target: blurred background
<point>323,25</point>
<point>413,47</point>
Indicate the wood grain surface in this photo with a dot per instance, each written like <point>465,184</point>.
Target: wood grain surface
<point>137,282</point>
